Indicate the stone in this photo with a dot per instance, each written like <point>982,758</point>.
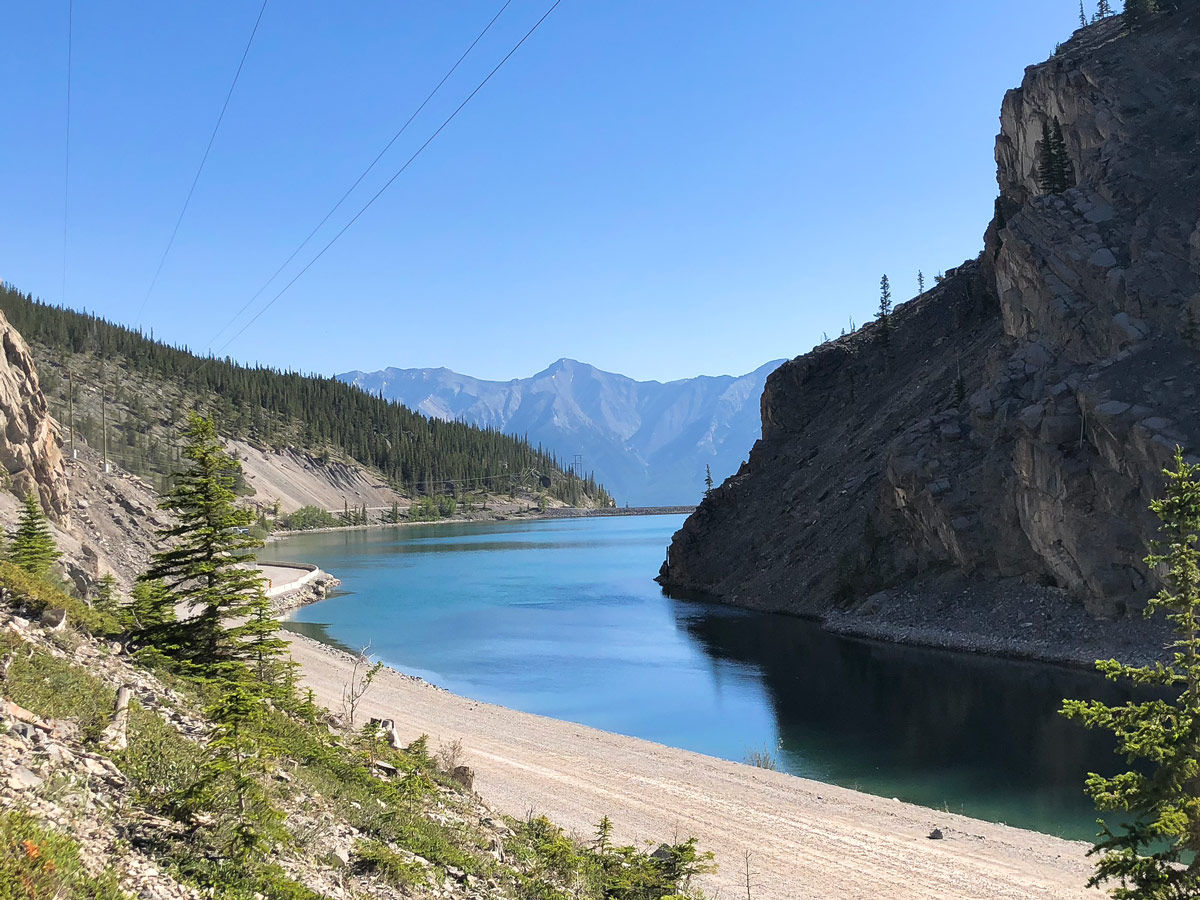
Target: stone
<point>936,834</point>
<point>1134,329</point>
<point>1112,408</point>
<point>1058,430</point>
<point>1103,258</point>
<point>1031,416</point>
<point>54,619</point>
<point>30,440</point>
<point>21,779</point>
<point>464,776</point>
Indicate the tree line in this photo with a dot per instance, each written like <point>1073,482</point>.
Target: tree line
<point>417,454</point>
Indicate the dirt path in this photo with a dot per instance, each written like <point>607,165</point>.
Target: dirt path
<point>805,839</point>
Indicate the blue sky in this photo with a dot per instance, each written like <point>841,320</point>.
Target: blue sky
<point>662,188</point>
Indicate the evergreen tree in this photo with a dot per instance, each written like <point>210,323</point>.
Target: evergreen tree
<point>1137,12</point>
<point>1046,165</point>
<point>708,480</point>
<point>1054,165</point>
<point>920,282</point>
<point>1061,172</point>
<point>258,645</point>
<point>32,546</point>
<point>885,311</point>
<point>151,608</point>
<point>239,756</point>
<point>1082,15</point>
<point>1155,852</point>
<point>1103,9</point>
<point>106,594</point>
<point>208,564</point>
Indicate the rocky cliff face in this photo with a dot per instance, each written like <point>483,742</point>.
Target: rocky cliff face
<point>29,444</point>
<point>1018,417</point>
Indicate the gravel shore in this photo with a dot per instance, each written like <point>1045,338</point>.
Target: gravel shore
<point>804,839</point>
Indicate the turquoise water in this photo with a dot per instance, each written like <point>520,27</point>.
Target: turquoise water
<point>561,618</point>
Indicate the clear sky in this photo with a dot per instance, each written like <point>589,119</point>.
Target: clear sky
<point>662,188</point>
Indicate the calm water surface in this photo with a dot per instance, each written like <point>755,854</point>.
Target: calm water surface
<point>561,618</point>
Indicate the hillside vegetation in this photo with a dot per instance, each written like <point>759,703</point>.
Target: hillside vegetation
<point>150,386</point>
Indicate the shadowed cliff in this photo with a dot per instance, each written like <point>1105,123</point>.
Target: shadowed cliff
<point>1016,419</point>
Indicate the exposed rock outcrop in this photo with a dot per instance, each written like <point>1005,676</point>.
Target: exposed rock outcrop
<point>1016,420</point>
<point>29,443</point>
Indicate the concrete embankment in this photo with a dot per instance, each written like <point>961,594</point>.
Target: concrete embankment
<point>291,585</point>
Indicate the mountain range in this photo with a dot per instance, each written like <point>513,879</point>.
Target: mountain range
<point>647,441</point>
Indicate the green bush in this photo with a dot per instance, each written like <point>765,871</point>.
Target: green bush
<point>39,864</point>
<point>34,595</point>
<point>306,518</point>
<point>162,764</point>
<point>55,689</point>
<point>376,857</point>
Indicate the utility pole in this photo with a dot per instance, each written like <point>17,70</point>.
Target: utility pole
<point>71,411</point>
<point>104,426</point>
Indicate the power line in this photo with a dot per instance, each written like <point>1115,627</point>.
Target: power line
<point>398,173</point>
<point>203,160</point>
<point>67,153</point>
<point>365,172</point>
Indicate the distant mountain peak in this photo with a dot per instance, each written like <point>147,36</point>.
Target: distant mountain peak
<point>648,441</point>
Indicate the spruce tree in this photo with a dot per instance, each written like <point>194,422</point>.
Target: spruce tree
<point>151,608</point>
<point>207,567</point>
<point>1082,15</point>
<point>239,756</point>
<point>107,594</point>
<point>1137,12</point>
<point>1046,161</point>
<point>885,311</point>
<point>708,480</point>
<point>1103,9</point>
<point>920,282</point>
<point>258,645</point>
<point>32,546</point>
<point>1061,173</point>
<point>1154,854</point>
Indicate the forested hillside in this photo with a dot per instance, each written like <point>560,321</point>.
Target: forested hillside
<point>135,390</point>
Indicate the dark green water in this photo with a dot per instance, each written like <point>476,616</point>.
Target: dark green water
<point>561,618</point>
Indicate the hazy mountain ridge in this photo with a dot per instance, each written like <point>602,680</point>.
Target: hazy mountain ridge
<point>648,441</point>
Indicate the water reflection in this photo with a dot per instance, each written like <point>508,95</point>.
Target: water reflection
<point>943,729</point>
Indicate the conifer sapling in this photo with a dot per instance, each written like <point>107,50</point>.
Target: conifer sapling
<point>1154,853</point>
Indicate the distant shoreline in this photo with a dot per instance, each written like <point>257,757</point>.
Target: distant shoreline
<point>564,512</point>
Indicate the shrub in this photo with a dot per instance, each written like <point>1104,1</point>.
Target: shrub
<point>306,518</point>
<point>762,758</point>
<point>55,689</point>
<point>34,595</point>
<point>37,863</point>
<point>375,856</point>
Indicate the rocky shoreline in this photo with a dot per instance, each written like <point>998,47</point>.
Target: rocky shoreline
<point>312,592</point>
<point>1006,618</point>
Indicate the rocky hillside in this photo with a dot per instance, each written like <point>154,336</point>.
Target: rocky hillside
<point>648,442</point>
<point>1015,420</point>
<point>29,443</point>
<point>109,791</point>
